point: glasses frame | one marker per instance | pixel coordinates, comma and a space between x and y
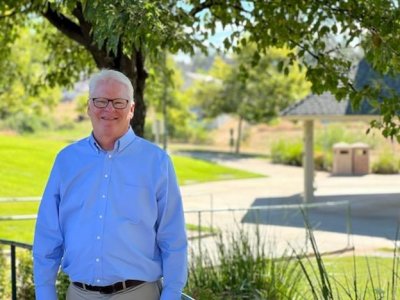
108, 101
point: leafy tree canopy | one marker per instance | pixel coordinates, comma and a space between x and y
122, 34
23, 89
255, 93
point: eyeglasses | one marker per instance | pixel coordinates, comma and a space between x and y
117, 103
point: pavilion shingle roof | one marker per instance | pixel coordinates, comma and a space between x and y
326, 104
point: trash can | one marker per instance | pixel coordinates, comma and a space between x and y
342, 159
360, 158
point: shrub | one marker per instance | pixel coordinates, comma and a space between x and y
323, 160
25, 123
287, 152
25, 286
4, 286
387, 163
62, 285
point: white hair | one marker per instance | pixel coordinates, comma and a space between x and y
106, 74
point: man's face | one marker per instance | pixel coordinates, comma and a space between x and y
110, 122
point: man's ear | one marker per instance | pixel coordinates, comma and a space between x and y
132, 111
88, 108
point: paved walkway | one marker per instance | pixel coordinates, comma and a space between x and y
375, 207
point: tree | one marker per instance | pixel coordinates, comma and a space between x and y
253, 93
23, 96
123, 34
169, 101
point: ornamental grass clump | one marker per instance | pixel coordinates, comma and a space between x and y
241, 269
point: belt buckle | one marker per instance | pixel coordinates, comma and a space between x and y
107, 289
114, 288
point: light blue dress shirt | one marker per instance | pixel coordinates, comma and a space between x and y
109, 216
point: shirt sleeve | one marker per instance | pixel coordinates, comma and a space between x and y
48, 241
171, 235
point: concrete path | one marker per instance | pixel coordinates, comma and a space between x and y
374, 202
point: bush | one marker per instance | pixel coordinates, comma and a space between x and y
387, 163
25, 286
24, 123
4, 282
287, 152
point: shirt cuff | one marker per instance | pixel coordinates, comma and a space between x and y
47, 292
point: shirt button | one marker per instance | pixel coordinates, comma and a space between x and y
103, 196
98, 280
109, 156
105, 175
98, 237
100, 216
97, 259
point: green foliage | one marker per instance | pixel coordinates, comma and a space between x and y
257, 93
81, 106
25, 123
62, 285
287, 152
242, 270
4, 267
25, 94
386, 163
25, 286
165, 82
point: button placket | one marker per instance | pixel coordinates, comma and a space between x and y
102, 208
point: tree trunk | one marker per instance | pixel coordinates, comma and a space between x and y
239, 135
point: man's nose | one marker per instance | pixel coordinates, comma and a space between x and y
109, 106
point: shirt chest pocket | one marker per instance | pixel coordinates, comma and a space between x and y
133, 203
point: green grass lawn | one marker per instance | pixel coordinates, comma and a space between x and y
350, 275
25, 164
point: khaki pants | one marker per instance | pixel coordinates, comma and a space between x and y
145, 291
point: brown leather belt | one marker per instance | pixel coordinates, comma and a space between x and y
109, 289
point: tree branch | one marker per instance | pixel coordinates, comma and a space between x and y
209, 3
85, 27
206, 4
65, 25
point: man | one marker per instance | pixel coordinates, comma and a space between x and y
111, 214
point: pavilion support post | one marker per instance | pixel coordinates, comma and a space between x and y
308, 161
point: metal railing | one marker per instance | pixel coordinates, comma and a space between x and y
305, 207
13, 263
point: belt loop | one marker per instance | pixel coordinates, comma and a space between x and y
124, 284
84, 286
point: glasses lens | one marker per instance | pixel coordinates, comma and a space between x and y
120, 103
100, 102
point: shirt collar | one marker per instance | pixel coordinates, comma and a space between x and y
119, 145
